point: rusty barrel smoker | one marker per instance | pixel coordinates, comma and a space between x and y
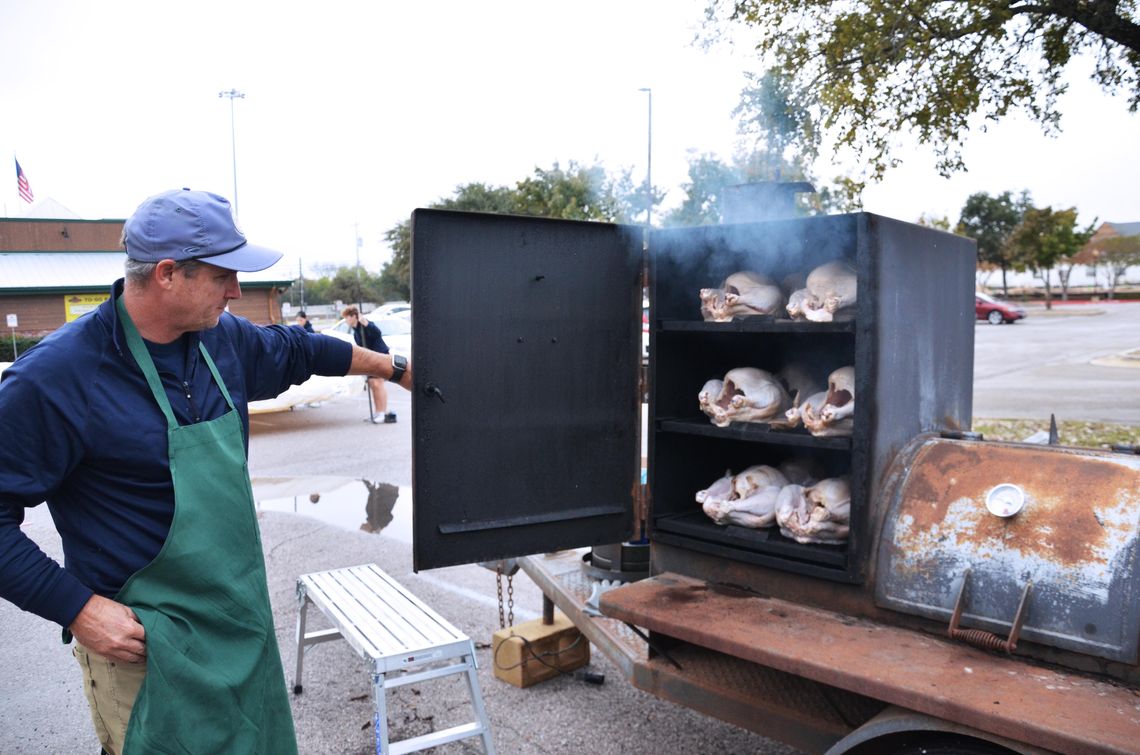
1006, 540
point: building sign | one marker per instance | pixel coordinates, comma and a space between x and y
75, 305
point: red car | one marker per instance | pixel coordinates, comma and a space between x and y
988, 308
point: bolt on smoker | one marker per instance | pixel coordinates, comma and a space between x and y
986, 594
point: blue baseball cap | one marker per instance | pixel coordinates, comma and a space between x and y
192, 225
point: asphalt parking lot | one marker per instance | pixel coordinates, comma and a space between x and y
1071, 361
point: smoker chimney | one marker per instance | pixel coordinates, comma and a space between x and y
763, 200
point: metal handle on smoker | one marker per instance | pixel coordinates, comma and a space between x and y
431, 389
980, 637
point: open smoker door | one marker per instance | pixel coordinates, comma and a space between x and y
526, 336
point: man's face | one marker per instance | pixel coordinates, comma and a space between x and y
352, 320
201, 295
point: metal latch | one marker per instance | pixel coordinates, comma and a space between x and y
980, 637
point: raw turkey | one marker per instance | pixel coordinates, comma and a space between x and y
830, 290
742, 294
756, 511
716, 494
798, 301
802, 470
820, 513
747, 394
798, 379
799, 382
746, 500
836, 415
795, 415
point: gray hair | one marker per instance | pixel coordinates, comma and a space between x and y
139, 273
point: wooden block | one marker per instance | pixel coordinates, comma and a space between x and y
516, 651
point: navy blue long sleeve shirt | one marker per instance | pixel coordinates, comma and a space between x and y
81, 431
370, 337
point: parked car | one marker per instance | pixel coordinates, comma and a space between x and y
397, 332
996, 311
391, 309
396, 329
313, 391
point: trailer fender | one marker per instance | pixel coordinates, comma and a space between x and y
898, 730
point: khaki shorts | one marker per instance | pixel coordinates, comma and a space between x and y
111, 688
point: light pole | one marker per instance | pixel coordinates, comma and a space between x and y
359, 295
233, 94
649, 160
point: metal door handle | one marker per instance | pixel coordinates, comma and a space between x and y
431, 389
980, 637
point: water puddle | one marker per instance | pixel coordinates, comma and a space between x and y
346, 502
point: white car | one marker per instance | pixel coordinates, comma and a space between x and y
391, 309
396, 330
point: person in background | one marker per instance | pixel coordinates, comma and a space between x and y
134, 406
367, 335
302, 322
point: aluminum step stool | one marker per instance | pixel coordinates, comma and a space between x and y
396, 632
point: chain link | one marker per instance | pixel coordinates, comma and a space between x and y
510, 600
499, 588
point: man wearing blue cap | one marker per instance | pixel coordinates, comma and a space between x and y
133, 426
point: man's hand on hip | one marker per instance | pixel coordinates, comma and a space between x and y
111, 630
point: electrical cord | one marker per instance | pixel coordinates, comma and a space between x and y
590, 677
540, 657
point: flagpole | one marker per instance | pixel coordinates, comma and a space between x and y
232, 94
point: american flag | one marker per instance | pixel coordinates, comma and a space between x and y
23, 185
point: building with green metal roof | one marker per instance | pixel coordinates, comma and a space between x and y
53, 270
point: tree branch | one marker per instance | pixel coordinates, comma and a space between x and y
1098, 16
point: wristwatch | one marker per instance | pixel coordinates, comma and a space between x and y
399, 367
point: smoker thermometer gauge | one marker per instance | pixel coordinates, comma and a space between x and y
1005, 500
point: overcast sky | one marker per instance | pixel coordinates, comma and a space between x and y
357, 112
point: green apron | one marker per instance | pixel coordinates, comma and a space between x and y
214, 681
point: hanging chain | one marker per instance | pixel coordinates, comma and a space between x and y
499, 588
510, 600
507, 619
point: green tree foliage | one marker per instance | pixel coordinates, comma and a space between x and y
990, 221
844, 195
866, 70
708, 177
479, 197
1116, 254
340, 284
1045, 238
354, 285
316, 290
577, 192
772, 128
396, 275
10, 347
773, 123
933, 221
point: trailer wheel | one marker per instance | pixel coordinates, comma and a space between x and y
942, 744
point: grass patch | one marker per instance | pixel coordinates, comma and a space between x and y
1069, 432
